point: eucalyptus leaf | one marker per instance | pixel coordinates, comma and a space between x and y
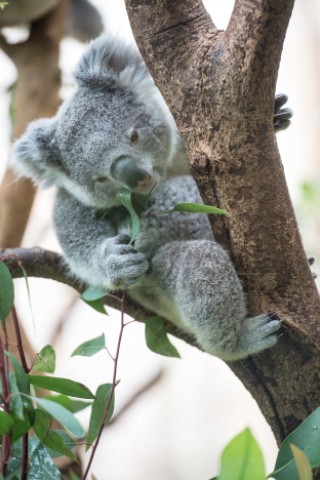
25, 276
98, 411
6, 291
15, 404
198, 208
21, 376
92, 293
6, 422
94, 298
157, 338
20, 428
307, 438
41, 465
50, 438
42, 423
45, 360
242, 459
62, 415
302, 462
90, 347
73, 476
70, 404
61, 385
124, 196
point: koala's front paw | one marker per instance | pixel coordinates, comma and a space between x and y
123, 265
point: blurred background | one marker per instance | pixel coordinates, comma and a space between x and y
172, 416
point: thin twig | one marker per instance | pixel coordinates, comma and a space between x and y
114, 384
6, 439
19, 340
24, 461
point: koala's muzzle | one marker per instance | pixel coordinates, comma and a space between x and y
128, 172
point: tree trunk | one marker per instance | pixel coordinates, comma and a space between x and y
36, 94
220, 87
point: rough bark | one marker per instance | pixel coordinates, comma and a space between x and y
36, 94
220, 87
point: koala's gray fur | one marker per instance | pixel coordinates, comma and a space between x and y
116, 131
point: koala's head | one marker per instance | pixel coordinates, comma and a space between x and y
114, 132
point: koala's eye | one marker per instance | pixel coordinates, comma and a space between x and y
134, 136
101, 179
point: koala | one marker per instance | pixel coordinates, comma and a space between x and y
116, 131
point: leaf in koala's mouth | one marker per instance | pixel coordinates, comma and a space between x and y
125, 198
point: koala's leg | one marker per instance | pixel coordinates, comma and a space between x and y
197, 286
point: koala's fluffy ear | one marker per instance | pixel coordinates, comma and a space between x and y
36, 154
108, 62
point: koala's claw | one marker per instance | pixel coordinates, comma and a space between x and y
282, 116
260, 332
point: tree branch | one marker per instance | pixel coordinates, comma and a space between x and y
46, 264
220, 87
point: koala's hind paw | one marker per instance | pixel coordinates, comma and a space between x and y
259, 333
123, 265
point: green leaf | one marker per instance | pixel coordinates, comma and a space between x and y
51, 439
90, 347
45, 360
302, 462
6, 422
73, 476
98, 306
3, 4
62, 415
73, 406
22, 384
198, 208
42, 423
69, 443
41, 465
6, 291
20, 428
21, 376
98, 411
93, 297
242, 459
15, 404
157, 338
25, 276
124, 197
92, 293
61, 385
306, 437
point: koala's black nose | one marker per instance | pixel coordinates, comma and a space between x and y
126, 171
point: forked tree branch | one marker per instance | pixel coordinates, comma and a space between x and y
220, 87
